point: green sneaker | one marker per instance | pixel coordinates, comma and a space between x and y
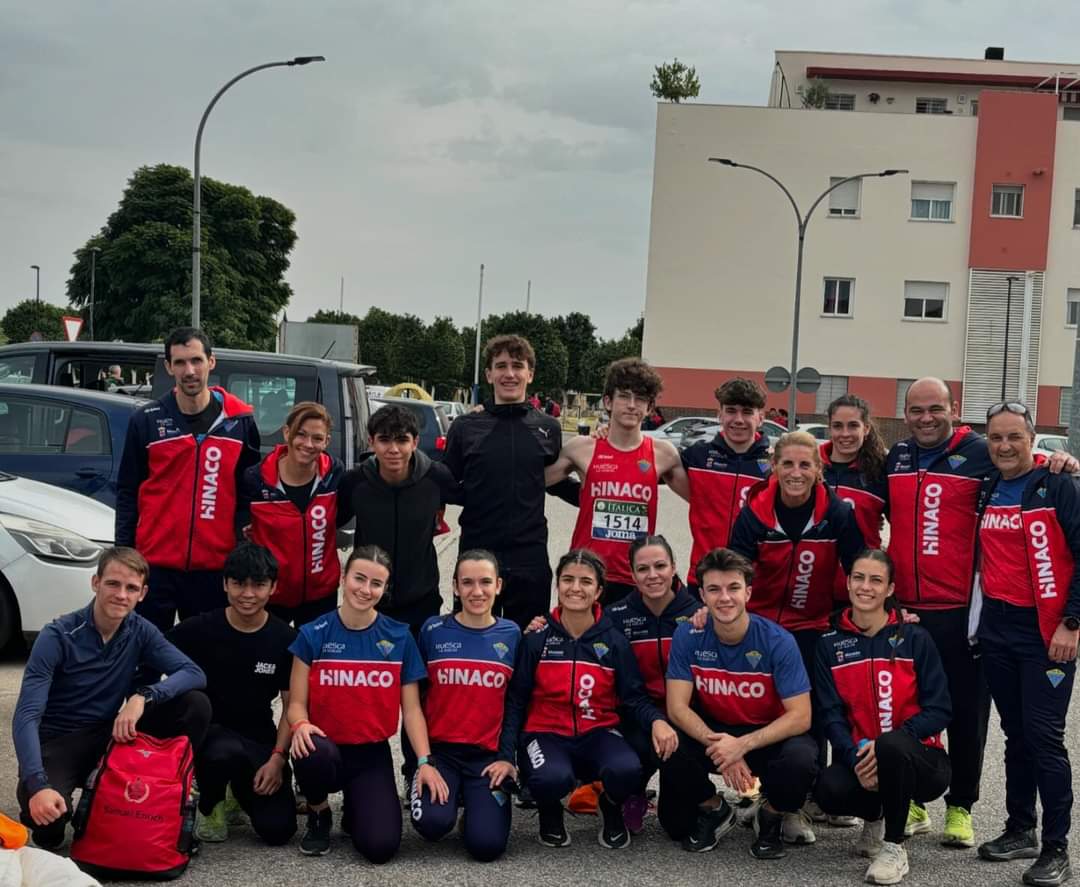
213, 827
234, 813
959, 831
918, 820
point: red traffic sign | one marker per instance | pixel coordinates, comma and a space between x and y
72, 327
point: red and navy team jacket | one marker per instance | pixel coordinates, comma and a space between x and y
866, 686
932, 520
1050, 517
793, 580
570, 687
866, 497
650, 635
720, 479
176, 496
469, 672
305, 545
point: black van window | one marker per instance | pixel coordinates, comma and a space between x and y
271, 397
17, 369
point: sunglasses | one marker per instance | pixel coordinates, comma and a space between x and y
1008, 406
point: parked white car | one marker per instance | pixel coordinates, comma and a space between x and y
1048, 444
814, 429
45, 562
674, 429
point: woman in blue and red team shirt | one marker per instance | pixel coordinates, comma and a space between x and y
1029, 542
290, 499
353, 671
470, 659
883, 700
853, 467
565, 697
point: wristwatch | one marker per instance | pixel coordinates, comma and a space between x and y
147, 694
1071, 623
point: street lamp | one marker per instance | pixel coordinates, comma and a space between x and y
479, 320
196, 227
1005, 356
801, 221
94, 250
37, 285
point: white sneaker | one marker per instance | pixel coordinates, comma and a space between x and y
797, 828
871, 839
813, 811
843, 821
889, 866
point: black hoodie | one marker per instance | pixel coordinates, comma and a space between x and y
401, 519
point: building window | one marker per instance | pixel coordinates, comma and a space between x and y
1008, 201
1076, 208
930, 106
1070, 114
838, 297
932, 201
902, 386
844, 201
974, 107
831, 388
1072, 307
1065, 407
925, 300
840, 101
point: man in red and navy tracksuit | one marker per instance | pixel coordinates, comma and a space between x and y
934, 479
183, 461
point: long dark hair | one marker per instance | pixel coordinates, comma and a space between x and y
891, 605
645, 542
583, 556
871, 455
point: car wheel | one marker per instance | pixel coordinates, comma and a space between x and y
9, 618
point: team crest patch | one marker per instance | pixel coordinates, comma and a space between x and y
957, 461
1055, 676
136, 791
679, 619
895, 641
644, 465
1042, 492
385, 647
753, 657
500, 649
763, 465
601, 649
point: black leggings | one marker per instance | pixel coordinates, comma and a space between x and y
228, 758
551, 765
365, 774
907, 771
487, 812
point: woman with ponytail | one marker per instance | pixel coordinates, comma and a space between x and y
883, 701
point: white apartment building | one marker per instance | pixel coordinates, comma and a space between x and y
903, 276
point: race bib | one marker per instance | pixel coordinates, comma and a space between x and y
619, 521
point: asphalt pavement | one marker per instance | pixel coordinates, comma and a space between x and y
651, 858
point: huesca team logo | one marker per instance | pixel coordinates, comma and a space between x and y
136, 791
763, 465
385, 647
753, 657
644, 465
500, 649
957, 461
601, 649
895, 641
1055, 676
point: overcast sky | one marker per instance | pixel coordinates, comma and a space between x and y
436, 136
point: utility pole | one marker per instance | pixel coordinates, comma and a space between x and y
528, 295
479, 315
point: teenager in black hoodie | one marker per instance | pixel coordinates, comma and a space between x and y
397, 496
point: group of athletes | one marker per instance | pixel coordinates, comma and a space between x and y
793, 635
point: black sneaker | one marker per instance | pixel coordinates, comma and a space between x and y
768, 837
47, 838
1011, 844
613, 831
525, 799
316, 840
552, 829
710, 827
1050, 869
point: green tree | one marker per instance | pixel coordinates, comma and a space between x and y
629, 345
377, 331
443, 342
578, 334
815, 94
325, 315
143, 286
674, 82
409, 357
29, 317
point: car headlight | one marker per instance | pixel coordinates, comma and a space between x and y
49, 542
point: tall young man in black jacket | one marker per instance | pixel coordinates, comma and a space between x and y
499, 455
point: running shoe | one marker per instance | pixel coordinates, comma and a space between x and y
552, 828
1015, 844
843, 821
918, 820
889, 866
614, 834
584, 799
634, 811
234, 813
212, 827
710, 827
1050, 869
959, 831
316, 840
797, 828
814, 812
525, 799
873, 834
768, 837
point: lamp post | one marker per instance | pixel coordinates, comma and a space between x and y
1008, 311
196, 216
94, 250
801, 221
479, 315
37, 283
